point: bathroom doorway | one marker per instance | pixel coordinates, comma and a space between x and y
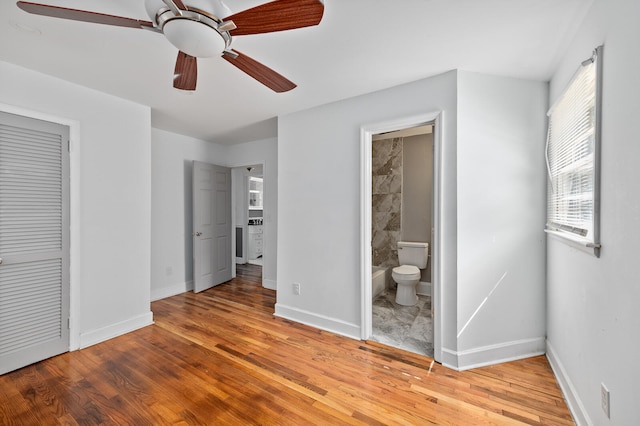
399, 197
402, 198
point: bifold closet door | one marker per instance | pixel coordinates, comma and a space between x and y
34, 240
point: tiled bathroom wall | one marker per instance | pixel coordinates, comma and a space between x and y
386, 200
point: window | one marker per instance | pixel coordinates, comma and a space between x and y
573, 151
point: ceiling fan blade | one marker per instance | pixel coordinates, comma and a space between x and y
278, 15
186, 72
260, 72
81, 15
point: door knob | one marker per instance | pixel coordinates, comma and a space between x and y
197, 234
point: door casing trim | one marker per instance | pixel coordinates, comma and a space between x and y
366, 134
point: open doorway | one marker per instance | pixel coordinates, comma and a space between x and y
400, 178
248, 207
402, 200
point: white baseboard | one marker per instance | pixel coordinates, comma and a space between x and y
318, 321
493, 354
270, 284
172, 290
449, 359
424, 288
114, 330
576, 407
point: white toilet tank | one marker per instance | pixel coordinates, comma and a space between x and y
416, 254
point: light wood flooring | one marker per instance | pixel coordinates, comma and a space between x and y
221, 357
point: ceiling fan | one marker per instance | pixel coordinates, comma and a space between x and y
204, 28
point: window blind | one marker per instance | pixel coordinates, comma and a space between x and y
572, 151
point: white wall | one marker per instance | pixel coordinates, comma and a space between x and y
417, 185
501, 217
172, 158
172, 219
592, 319
319, 202
417, 195
492, 216
110, 198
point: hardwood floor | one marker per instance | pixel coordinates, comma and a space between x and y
221, 357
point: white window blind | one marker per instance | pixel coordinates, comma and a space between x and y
573, 157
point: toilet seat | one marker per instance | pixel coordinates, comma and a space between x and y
407, 272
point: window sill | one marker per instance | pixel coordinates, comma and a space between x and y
575, 241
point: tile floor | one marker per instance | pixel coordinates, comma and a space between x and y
405, 327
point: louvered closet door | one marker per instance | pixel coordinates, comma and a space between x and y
34, 241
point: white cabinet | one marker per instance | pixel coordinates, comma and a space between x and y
255, 241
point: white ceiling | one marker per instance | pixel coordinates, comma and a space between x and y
359, 47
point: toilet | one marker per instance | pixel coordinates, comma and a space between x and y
413, 257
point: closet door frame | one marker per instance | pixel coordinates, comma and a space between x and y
75, 249
35, 265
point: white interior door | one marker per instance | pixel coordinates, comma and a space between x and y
34, 240
211, 225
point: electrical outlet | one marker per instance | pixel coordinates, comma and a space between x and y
169, 271
296, 288
605, 400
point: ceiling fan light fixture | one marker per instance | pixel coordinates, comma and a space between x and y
194, 38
